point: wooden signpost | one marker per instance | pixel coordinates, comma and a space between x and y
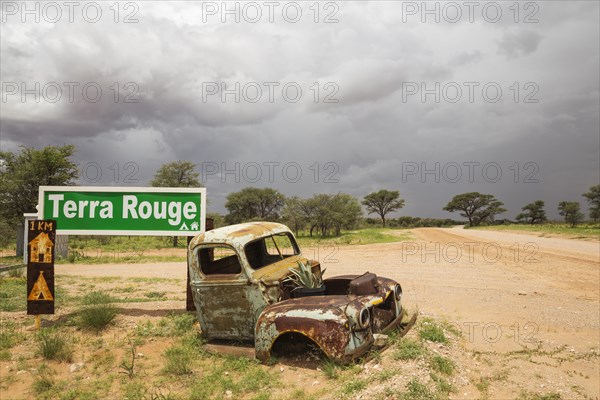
41, 238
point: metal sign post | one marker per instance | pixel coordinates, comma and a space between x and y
41, 239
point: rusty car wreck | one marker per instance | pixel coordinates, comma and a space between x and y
239, 277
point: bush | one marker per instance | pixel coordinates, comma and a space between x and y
11, 294
17, 273
98, 312
98, 317
354, 386
330, 369
155, 295
415, 390
44, 381
433, 332
94, 298
54, 346
183, 323
442, 365
409, 350
9, 335
179, 359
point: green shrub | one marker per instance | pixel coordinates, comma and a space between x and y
98, 317
9, 336
442, 365
430, 330
354, 386
535, 396
5, 355
155, 295
44, 380
12, 294
183, 322
95, 298
409, 350
330, 369
415, 390
241, 375
54, 346
98, 311
17, 273
178, 359
443, 386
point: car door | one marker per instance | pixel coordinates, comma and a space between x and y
223, 294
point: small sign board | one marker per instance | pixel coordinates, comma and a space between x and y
41, 238
150, 211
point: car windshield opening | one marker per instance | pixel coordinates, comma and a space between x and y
270, 249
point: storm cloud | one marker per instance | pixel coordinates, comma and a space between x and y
344, 97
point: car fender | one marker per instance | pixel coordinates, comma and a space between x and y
322, 319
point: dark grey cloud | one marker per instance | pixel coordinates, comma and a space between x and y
467, 57
364, 140
520, 43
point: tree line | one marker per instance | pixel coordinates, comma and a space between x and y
483, 208
21, 174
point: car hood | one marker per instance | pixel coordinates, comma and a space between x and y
275, 272
334, 306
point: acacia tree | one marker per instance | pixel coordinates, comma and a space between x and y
329, 214
533, 213
345, 212
571, 211
593, 199
476, 207
176, 174
383, 202
21, 175
312, 210
324, 214
321, 213
293, 215
254, 204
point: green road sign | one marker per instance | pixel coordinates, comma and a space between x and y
87, 210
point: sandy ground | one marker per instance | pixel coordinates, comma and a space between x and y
504, 291
470, 277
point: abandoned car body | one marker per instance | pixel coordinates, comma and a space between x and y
239, 277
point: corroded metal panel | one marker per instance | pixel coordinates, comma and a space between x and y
189, 299
240, 234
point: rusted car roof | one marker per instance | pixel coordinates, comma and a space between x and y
240, 234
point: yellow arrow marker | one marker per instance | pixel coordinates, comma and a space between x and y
40, 289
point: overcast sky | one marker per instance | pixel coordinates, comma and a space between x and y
354, 96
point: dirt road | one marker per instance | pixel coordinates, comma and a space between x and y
487, 277
507, 293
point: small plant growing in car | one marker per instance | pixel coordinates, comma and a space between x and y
304, 277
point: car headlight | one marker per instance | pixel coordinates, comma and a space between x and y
398, 292
364, 318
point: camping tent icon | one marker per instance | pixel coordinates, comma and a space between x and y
40, 290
